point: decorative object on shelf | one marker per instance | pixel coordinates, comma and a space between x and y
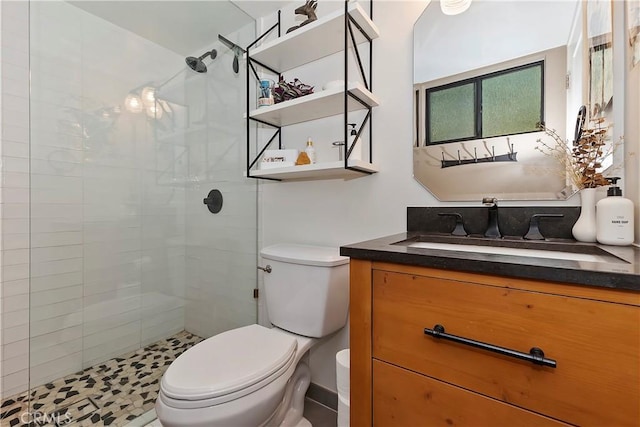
584, 230
309, 9
303, 159
311, 152
278, 159
265, 97
284, 91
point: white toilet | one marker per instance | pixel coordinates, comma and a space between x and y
256, 376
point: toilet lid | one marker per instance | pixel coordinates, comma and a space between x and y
228, 362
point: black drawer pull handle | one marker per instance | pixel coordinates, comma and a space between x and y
535, 355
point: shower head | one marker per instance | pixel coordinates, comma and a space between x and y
197, 64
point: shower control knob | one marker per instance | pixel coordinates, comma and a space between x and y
213, 201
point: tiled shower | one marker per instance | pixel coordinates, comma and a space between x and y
109, 145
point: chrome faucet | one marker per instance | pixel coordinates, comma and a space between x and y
493, 227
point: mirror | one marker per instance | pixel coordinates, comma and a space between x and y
477, 45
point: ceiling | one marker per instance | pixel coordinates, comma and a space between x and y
184, 26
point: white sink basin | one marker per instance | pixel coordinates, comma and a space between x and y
535, 253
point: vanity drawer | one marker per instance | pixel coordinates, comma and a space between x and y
404, 398
595, 344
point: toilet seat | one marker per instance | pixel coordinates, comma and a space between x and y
229, 365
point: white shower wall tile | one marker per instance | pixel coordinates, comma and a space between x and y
16, 287
15, 302
17, 333
15, 383
105, 324
41, 343
17, 349
15, 241
43, 240
14, 179
15, 164
15, 318
55, 368
43, 298
15, 272
57, 351
40, 255
11, 365
112, 337
51, 311
14, 256
51, 268
42, 327
57, 281
15, 149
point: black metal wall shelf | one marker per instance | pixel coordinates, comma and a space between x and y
328, 35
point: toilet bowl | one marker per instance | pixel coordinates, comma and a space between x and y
258, 376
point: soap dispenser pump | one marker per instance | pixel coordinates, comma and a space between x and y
356, 153
614, 217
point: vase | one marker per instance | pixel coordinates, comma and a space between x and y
584, 230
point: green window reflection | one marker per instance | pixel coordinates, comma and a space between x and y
511, 102
451, 113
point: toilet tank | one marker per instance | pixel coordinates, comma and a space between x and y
307, 291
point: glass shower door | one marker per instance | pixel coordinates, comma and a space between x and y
128, 268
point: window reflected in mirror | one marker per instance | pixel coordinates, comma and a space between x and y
502, 103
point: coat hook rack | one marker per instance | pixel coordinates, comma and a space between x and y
510, 156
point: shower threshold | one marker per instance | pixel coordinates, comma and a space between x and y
112, 393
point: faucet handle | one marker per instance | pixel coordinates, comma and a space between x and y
534, 230
459, 230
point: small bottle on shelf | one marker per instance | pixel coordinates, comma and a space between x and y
311, 152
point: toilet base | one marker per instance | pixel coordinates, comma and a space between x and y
303, 423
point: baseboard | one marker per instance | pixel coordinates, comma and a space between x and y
323, 396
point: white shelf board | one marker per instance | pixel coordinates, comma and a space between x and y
321, 104
329, 170
314, 41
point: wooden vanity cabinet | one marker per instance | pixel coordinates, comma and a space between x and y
401, 376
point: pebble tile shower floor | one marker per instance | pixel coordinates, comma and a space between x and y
112, 393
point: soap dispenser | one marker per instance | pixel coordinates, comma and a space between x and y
614, 217
356, 153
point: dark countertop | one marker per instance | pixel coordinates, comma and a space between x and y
623, 273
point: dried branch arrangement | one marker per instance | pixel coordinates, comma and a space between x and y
583, 159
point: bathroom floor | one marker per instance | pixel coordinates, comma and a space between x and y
109, 394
